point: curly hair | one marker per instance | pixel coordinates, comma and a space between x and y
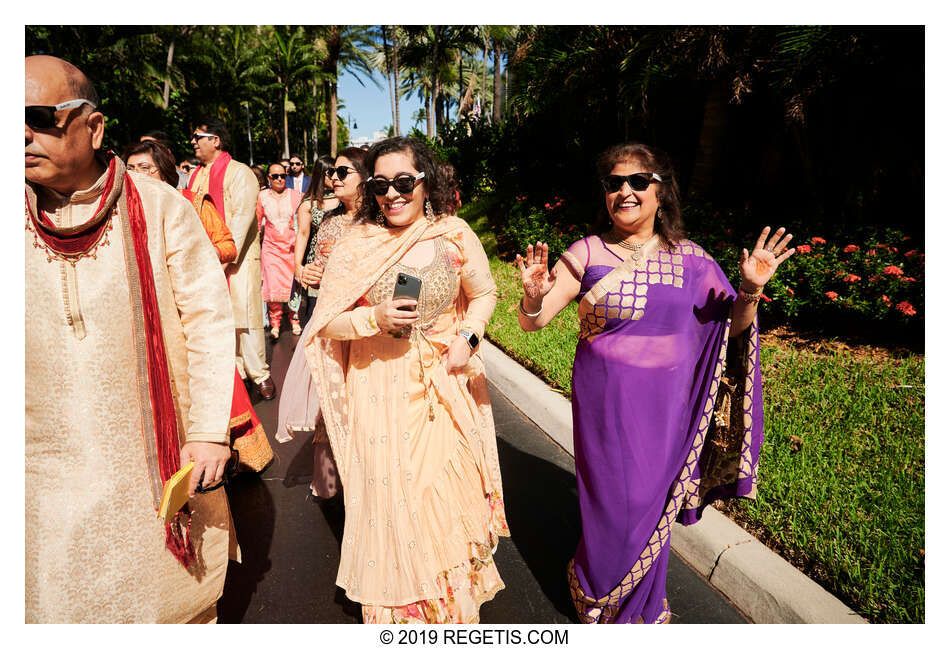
451, 186
160, 155
670, 227
434, 183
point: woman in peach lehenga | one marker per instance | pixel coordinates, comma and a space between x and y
406, 407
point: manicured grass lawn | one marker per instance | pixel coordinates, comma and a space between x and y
848, 507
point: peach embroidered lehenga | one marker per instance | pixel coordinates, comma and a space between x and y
414, 445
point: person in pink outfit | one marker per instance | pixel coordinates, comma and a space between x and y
276, 208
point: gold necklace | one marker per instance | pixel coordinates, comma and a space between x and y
635, 248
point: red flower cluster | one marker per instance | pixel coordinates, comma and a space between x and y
803, 249
851, 278
893, 271
556, 204
886, 300
906, 308
831, 295
908, 279
818, 241
848, 249
910, 254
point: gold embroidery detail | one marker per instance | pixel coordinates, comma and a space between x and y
439, 285
72, 258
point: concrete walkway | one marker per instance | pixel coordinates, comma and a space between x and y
291, 543
765, 587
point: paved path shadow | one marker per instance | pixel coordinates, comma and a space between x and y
291, 542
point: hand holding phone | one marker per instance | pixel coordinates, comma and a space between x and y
399, 311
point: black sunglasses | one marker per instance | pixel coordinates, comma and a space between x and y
277, 176
45, 116
341, 172
403, 183
296, 164
638, 182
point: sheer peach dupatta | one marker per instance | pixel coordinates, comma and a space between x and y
357, 262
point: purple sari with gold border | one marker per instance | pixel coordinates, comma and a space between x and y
664, 422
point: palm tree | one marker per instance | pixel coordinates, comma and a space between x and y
348, 48
432, 52
499, 36
292, 48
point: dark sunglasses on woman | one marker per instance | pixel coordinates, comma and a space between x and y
404, 183
341, 172
45, 116
638, 182
277, 176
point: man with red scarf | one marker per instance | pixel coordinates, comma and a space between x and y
129, 375
233, 189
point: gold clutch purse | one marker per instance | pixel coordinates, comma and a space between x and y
175, 494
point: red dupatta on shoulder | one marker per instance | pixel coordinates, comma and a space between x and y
73, 243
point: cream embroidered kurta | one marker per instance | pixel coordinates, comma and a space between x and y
421, 508
244, 275
95, 549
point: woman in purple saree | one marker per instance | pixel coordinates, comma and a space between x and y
664, 423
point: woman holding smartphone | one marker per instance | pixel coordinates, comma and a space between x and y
299, 406
406, 405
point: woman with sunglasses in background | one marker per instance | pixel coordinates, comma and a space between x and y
276, 216
314, 205
299, 402
661, 428
405, 401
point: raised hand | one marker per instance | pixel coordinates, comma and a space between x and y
536, 280
757, 269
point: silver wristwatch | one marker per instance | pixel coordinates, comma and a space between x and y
470, 337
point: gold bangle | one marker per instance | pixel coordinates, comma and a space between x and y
525, 313
750, 298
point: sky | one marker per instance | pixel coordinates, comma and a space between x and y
368, 106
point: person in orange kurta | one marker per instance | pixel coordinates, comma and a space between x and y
247, 433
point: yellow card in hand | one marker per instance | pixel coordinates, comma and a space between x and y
175, 494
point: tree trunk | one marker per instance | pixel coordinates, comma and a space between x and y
284, 111
389, 78
316, 120
168, 71
712, 139
396, 82
496, 98
428, 114
484, 92
436, 106
465, 102
458, 113
331, 117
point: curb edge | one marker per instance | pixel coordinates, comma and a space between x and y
761, 584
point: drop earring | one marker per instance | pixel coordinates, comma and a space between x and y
380, 219
430, 213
